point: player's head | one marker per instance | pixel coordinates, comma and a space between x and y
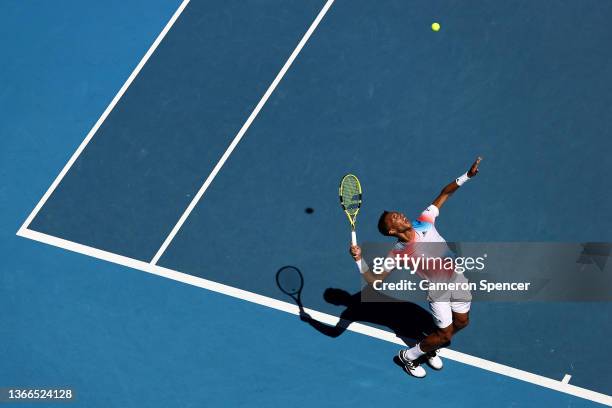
392, 223
339, 297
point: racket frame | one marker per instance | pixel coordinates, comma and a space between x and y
352, 219
296, 296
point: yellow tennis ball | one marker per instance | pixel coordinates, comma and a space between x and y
435, 27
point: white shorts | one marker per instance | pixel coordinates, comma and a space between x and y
443, 311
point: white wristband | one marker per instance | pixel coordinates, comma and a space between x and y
362, 265
462, 179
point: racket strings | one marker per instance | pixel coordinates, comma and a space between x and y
350, 193
290, 281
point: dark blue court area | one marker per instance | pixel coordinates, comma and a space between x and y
374, 92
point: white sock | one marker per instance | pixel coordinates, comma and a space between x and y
414, 353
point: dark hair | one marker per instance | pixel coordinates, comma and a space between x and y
382, 225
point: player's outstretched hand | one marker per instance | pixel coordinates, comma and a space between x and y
355, 251
474, 169
305, 317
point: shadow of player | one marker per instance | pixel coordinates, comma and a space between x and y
409, 321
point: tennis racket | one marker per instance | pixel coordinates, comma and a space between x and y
290, 281
350, 200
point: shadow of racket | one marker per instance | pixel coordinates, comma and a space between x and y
290, 281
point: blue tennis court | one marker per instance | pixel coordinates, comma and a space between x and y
239, 117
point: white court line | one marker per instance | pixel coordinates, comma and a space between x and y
241, 132
566, 379
105, 114
556, 385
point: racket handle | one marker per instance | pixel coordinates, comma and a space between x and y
353, 237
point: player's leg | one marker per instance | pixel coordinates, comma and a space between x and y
435, 340
442, 314
460, 319
461, 315
443, 317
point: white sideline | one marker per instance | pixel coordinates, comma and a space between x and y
561, 386
241, 132
105, 114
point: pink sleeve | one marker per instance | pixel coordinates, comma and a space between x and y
429, 215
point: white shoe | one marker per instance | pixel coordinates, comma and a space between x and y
411, 367
434, 360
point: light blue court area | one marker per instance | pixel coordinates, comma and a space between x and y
125, 338
372, 91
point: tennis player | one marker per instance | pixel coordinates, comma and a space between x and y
450, 316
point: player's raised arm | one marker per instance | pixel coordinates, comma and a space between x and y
453, 186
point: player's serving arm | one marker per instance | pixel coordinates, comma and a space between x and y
449, 316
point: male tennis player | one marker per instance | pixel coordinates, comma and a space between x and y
449, 316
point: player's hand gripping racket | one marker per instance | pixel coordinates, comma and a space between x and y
350, 200
290, 281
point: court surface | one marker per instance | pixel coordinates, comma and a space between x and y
240, 115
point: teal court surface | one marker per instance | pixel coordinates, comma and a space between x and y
211, 126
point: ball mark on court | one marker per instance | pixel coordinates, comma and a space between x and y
309, 210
